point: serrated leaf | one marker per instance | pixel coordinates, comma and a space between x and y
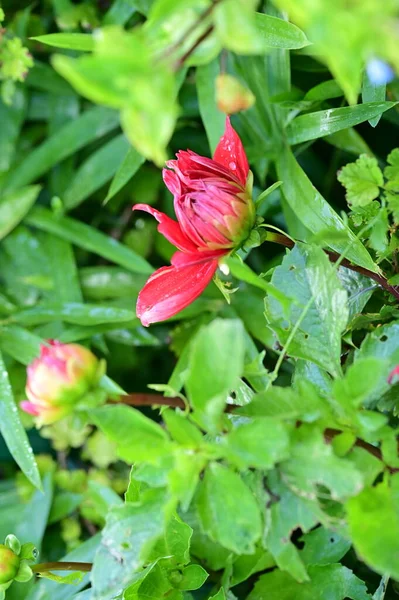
307, 277
362, 180
392, 171
231, 519
373, 519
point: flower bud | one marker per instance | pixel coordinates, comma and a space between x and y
232, 96
59, 379
9, 564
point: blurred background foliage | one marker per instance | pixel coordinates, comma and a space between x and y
96, 95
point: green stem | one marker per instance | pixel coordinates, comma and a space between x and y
62, 566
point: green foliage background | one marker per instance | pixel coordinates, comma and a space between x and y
293, 492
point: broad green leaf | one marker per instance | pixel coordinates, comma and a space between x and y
318, 307
96, 171
212, 117
314, 463
373, 93
120, 12
324, 122
87, 237
63, 269
361, 382
129, 166
193, 577
285, 516
219, 596
349, 140
315, 213
99, 283
14, 206
391, 172
150, 583
323, 546
63, 505
11, 119
127, 539
248, 564
373, 518
334, 582
324, 91
13, 432
39, 505
259, 444
362, 180
216, 364
91, 125
278, 33
138, 438
74, 312
232, 519
69, 41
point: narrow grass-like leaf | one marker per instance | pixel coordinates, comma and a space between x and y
212, 117
13, 432
87, 237
130, 165
91, 125
69, 41
14, 206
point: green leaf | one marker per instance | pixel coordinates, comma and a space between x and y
231, 519
127, 539
349, 140
216, 364
39, 505
96, 171
91, 125
259, 444
74, 312
14, 206
193, 577
71, 579
88, 238
324, 91
64, 504
315, 213
278, 33
21, 344
307, 276
373, 519
391, 172
129, 166
11, 119
63, 269
314, 463
323, 546
373, 93
362, 381
219, 596
212, 117
13, 432
138, 438
69, 41
334, 582
324, 122
362, 180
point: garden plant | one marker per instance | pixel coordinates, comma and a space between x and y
199, 300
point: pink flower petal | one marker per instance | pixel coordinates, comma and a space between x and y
393, 374
171, 289
184, 259
169, 228
231, 154
29, 408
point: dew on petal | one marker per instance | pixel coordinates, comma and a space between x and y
232, 165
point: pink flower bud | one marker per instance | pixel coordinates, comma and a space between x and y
9, 564
58, 379
215, 215
231, 95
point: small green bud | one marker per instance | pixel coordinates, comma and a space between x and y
24, 573
9, 564
13, 543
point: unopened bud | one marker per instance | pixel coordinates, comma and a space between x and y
9, 564
231, 95
59, 379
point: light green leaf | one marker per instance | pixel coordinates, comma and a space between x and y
74, 312
311, 209
324, 122
278, 33
373, 93
373, 518
13, 432
323, 546
21, 344
216, 364
362, 180
14, 206
138, 438
231, 519
314, 463
259, 444
391, 172
11, 119
69, 41
307, 276
87, 237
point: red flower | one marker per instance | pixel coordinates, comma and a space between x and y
58, 379
215, 214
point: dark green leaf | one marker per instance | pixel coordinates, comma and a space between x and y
70, 41
14, 206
